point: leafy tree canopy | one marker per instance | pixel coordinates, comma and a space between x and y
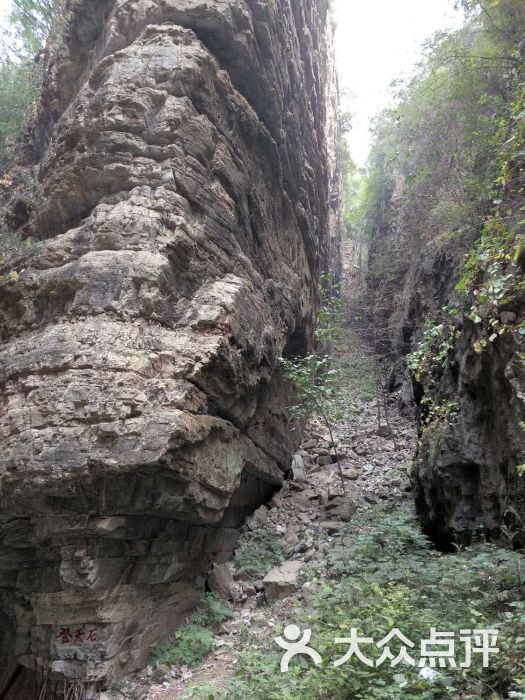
30, 24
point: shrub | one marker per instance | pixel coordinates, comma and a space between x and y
211, 611
191, 643
189, 646
259, 551
394, 578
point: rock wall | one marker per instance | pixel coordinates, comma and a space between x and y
411, 271
468, 483
468, 393
446, 297
469, 399
188, 200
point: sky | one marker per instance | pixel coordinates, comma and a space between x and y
378, 41
5, 6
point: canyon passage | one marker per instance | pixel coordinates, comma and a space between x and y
244, 383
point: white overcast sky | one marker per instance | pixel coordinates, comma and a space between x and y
377, 41
4, 8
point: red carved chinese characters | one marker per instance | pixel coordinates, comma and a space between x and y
79, 636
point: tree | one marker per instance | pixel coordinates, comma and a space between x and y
317, 384
31, 23
429, 180
29, 26
18, 87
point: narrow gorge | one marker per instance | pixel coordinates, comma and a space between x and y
244, 382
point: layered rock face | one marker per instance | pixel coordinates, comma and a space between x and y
467, 472
466, 484
186, 154
470, 404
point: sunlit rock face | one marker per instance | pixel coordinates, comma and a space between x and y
186, 152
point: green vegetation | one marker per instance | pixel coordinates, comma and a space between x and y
331, 315
32, 21
211, 611
492, 276
357, 373
492, 273
435, 168
383, 574
18, 88
29, 26
318, 386
189, 646
191, 643
258, 551
442, 201
442, 137
437, 342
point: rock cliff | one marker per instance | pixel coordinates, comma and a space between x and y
468, 469
188, 201
449, 316
466, 382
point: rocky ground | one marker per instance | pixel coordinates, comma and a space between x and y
307, 514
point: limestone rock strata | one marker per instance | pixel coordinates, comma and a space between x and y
189, 196
466, 484
467, 469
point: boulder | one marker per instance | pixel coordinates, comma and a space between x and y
221, 582
341, 508
351, 474
298, 469
257, 519
282, 581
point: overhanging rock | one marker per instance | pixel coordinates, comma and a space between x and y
186, 154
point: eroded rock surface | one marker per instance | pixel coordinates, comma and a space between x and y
468, 481
186, 154
466, 484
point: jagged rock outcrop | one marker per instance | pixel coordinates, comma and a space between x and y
466, 484
189, 202
468, 480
